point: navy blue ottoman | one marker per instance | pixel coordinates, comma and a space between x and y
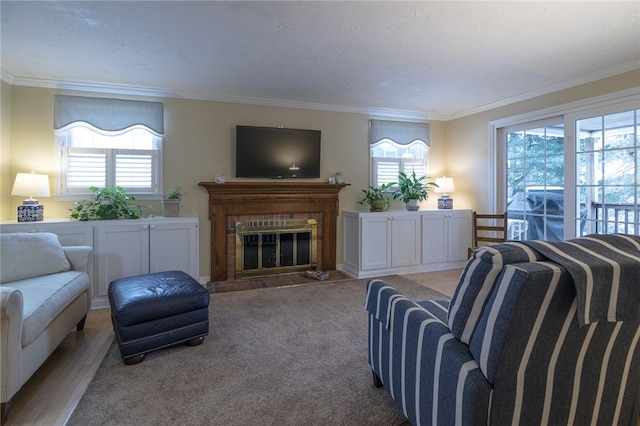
156, 310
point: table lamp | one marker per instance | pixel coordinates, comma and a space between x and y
31, 184
445, 186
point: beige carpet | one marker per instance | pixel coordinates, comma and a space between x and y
276, 356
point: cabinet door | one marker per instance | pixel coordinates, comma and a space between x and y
174, 246
434, 237
376, 242
459, 235
122, 250
405, 240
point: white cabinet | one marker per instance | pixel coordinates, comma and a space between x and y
174, 246
401, 242
375, 237
390, 240
134, 247
121, 250
126, 247
446, 236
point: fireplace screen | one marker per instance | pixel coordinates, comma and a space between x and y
268, 247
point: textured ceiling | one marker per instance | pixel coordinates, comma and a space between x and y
423, 59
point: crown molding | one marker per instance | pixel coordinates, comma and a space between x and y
283, 103
608, 72
163, 93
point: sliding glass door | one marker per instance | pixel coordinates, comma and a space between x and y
571, 175
535, 170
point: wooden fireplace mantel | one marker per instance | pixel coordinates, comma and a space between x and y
248, 198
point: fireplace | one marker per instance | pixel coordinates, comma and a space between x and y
269, 247
233, 202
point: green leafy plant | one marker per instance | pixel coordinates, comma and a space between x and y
378, 199
175, 193
412, 188
106, 204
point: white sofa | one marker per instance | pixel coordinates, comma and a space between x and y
44, 293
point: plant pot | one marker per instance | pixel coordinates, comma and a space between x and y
380, 205
171, 208
412, 205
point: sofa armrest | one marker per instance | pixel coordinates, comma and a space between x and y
80, 257
432, 375
11, 310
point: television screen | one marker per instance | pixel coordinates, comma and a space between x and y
277, 153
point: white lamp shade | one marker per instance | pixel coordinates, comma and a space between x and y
445, 185
31, 184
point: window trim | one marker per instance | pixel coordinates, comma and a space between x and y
60, 175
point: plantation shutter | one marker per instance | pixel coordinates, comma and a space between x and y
85, 169
386, 169
133, 169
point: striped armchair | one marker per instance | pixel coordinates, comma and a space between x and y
521, 342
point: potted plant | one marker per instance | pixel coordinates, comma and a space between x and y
106, 204
378, 199
412, 189
171, 202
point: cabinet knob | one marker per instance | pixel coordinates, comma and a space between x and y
153, 227
145, 226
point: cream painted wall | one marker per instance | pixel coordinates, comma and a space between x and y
199, 142
6, 182
467, 138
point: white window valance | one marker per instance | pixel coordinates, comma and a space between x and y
400, 132
108, 114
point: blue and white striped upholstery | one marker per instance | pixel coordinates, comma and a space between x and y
477, 281
606, 272
528, 360
427, 370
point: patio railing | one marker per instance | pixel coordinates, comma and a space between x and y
616, 217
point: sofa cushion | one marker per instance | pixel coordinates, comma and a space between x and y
27, 255
477, 282
45, 297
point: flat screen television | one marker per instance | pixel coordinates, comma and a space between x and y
277, 153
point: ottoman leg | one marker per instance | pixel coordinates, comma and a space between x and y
134, 359
195, 342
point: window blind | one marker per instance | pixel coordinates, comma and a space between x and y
108, 114
400, 132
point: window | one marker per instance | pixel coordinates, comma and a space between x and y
397, 147
107, 142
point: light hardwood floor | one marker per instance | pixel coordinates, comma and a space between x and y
53, 392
